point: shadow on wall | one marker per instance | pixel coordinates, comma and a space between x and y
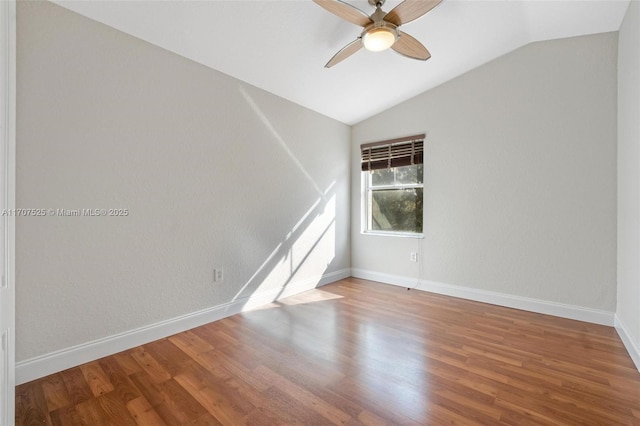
304, 253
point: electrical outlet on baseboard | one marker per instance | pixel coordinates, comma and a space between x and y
413, 256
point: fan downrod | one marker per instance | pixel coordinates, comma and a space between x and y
376, 3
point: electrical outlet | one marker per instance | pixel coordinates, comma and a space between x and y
413, 256
217, 275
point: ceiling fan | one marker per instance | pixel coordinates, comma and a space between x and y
381, 29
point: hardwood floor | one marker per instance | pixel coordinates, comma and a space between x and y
355, 352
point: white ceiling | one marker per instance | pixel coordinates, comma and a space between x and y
282, 45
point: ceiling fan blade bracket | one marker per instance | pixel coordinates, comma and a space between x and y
378, 15
382, 24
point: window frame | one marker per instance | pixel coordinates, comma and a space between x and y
367, 190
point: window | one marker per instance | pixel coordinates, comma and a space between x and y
393, 181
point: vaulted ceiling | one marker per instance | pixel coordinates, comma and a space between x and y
282, 45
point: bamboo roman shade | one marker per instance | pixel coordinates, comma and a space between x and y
392, 153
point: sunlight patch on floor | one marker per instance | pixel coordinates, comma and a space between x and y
311, 296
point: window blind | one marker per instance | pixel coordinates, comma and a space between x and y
392, 153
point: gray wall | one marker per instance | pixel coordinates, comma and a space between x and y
520, 177
629, 174
213, 172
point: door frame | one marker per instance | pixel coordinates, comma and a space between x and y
7, 206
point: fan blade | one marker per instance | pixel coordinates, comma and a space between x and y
346, 11
345, 52
409, 10
410, 47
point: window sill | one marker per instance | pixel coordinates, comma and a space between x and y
393, 234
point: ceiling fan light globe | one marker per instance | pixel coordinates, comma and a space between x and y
378, 39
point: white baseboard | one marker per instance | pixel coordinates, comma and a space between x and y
507, 300
631, 346
53, 362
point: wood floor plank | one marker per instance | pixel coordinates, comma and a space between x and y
170, 400
143, 413
96, 378
231, 364
127, 363
149, 364
65, 416
92, 412
148, 388
212, 399
115, 409
190, 343
368, 418
377, 396
55, 392
354, 352
79, 390
31, 405
118, 378
168, 355
304, 396
205, 420
262, 416
443, 415
291, 411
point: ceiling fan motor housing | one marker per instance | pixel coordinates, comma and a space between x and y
379, 36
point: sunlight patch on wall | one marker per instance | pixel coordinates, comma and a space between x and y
299, 261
